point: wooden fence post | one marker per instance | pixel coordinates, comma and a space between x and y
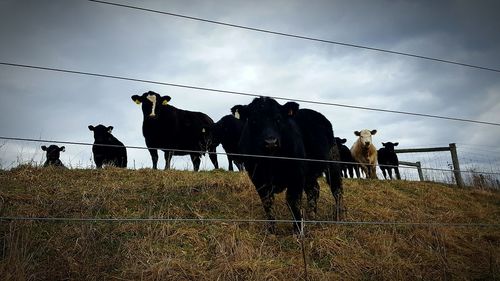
416, 164
456, 165
419, 169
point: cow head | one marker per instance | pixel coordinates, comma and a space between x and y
365, 136
151, 103
101, 133
53, 152
390, 145
340, 141
266, 121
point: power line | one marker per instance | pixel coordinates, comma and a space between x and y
214, 220
239, 155
298, 36
243, 93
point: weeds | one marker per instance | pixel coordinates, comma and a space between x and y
236, 251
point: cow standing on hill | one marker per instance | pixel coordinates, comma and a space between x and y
273, 130
53, 153
227, 131
365, 153
388, 160
166, 127
107, 149
348, 164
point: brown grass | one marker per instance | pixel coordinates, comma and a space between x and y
33, 250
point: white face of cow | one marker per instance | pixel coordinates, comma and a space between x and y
152, 98
365, 137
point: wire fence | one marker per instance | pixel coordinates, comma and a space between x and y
438, 160
482, 169
238, 220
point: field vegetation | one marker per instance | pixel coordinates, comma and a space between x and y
228, 250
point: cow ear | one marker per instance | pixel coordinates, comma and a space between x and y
357, 133
137, 99
62, 148
110, 129
239, 112
291, 108
373, 132
165, 100
383, 143
343, 141
91, 127
396, 143
44, 148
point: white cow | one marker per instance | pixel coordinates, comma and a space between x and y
365, 153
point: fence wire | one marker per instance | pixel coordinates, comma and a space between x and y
222, 220
237, 154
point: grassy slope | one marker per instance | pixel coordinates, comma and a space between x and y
236, 251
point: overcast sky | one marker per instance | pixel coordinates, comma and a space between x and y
92, 37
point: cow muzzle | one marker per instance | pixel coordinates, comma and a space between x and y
271, 143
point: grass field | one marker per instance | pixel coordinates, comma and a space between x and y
225, 250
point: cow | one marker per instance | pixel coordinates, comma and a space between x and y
107, 149
53, 153
227, 131
347, 165
388, 160
174, 131
272, 130
365, 153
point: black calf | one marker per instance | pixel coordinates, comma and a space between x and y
107, 149
53, 153
388, 160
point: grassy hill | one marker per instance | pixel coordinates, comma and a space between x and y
224, 250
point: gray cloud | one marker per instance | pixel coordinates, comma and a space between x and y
98, 38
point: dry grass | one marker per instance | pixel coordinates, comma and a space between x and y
236, 251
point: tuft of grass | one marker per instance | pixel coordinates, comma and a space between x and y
37, 250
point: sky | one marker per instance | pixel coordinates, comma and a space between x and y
93, 37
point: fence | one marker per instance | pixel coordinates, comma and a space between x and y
452, 148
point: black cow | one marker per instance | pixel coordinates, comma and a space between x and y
53, 153
227, 131
107, 149
166, 127
348, 165
388, 160
271, 129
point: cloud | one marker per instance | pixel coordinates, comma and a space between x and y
104, 39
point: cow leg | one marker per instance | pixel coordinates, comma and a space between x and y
356, 169
230, 161
267, 198
98, 163
365, 170
213, 157
389, 171
195, 158
373, 171
154, 157
350, 170
312, 194
293, 200
335, 182
168, 158
383, 172
240, 166
396, 171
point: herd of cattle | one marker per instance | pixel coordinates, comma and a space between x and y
264, 138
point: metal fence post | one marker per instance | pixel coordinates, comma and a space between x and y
456, 165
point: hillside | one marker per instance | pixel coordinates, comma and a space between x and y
224, 250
